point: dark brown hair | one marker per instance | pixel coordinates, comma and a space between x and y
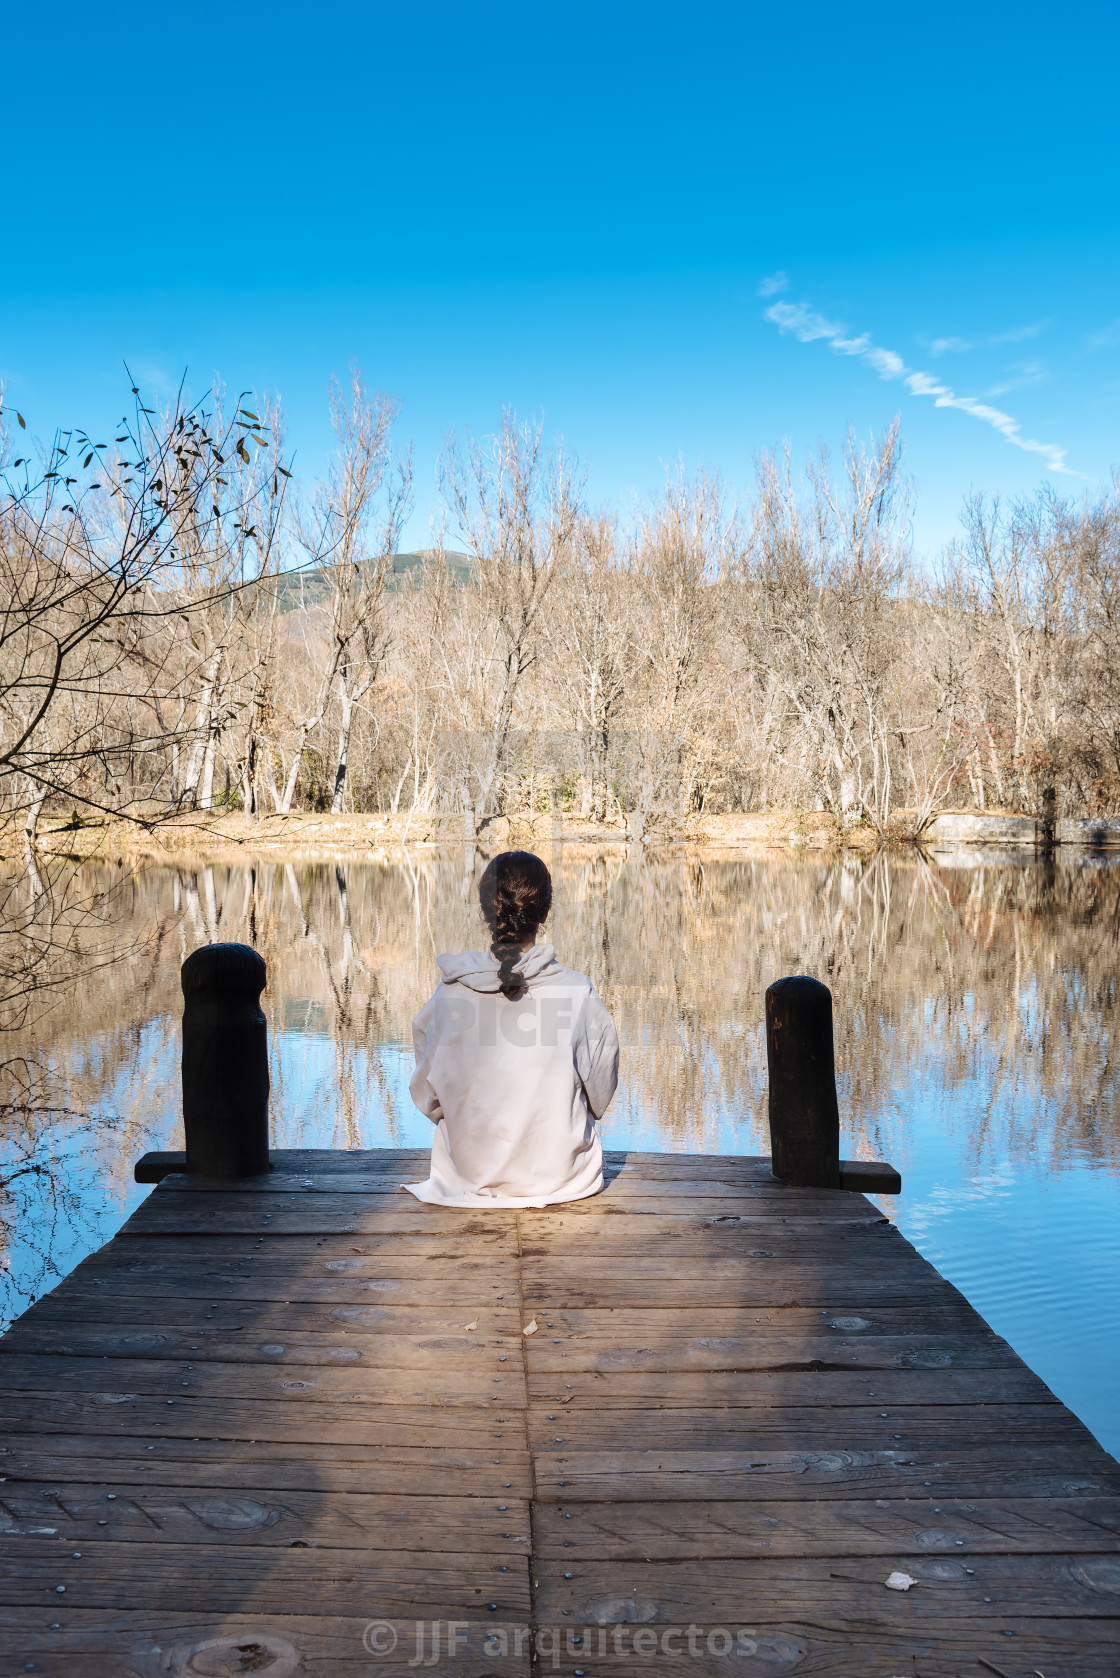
515, 892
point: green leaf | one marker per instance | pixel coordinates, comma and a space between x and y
285, 471
87, 460
22, 421
249, 415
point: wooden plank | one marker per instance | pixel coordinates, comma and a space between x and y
491, 1471
205, 1317
311, 1582
215, 1286
126, 1510
622, 1184
146, 1416
655, 1265
1033, 1427
703, 1239
990, 1469
497, 1245
343, 1348
321, 1214
350, 1258
97, 1643
552, 1356
821, 1287
458, 1381
685, 1529
952, 1314
338, 1213
1020, 1589
1015, 1384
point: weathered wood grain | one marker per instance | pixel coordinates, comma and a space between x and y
113, 1410
627, 1389
404, 1584
458, 1379
992, 1469
1032, 1427
125, 1511
1021, 1588
686, 1529
122, 1643
494, 1471
740, 1408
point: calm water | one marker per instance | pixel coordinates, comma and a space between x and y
976, 1012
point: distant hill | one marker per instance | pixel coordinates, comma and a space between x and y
299, 589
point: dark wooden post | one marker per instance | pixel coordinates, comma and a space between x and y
804, 1117
225, 1062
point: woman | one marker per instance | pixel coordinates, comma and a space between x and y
516, 1059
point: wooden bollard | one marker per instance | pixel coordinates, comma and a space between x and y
804, 1113
225, 1062
225, 1069
804, 1116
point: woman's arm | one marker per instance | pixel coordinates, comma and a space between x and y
595, 1042
419, 1088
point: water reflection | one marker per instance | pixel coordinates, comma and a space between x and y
975, 1015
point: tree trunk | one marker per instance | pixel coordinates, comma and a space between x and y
30, 830
203, 745
205, 800
344, 728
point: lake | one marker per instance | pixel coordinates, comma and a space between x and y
976, 1045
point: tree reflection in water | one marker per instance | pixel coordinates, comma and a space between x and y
975, 1012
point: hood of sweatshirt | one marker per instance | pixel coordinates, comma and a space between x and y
478, 969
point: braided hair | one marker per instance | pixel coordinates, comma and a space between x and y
515, 894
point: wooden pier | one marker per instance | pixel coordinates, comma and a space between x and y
277, 1422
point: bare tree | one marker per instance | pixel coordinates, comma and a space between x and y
350, 532
830, 569
516, 509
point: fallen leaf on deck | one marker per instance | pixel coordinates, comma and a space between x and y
470, 1325
899, 1582
530, 1327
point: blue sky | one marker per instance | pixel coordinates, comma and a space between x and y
677, 232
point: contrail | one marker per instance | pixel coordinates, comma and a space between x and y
807, 325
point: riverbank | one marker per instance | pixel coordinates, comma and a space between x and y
309, 833
306, 833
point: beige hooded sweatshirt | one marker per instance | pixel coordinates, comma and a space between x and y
514, 1085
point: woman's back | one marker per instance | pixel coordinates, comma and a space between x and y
516, 1060
515, 1084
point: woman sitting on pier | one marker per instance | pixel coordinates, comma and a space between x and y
516, 1059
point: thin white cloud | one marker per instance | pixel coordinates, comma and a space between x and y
773, 283
1020, 334
1023, 374
1109, 339
949, 346
809, 326
803, 321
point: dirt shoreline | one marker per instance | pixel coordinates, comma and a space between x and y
358, 837
306, 834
